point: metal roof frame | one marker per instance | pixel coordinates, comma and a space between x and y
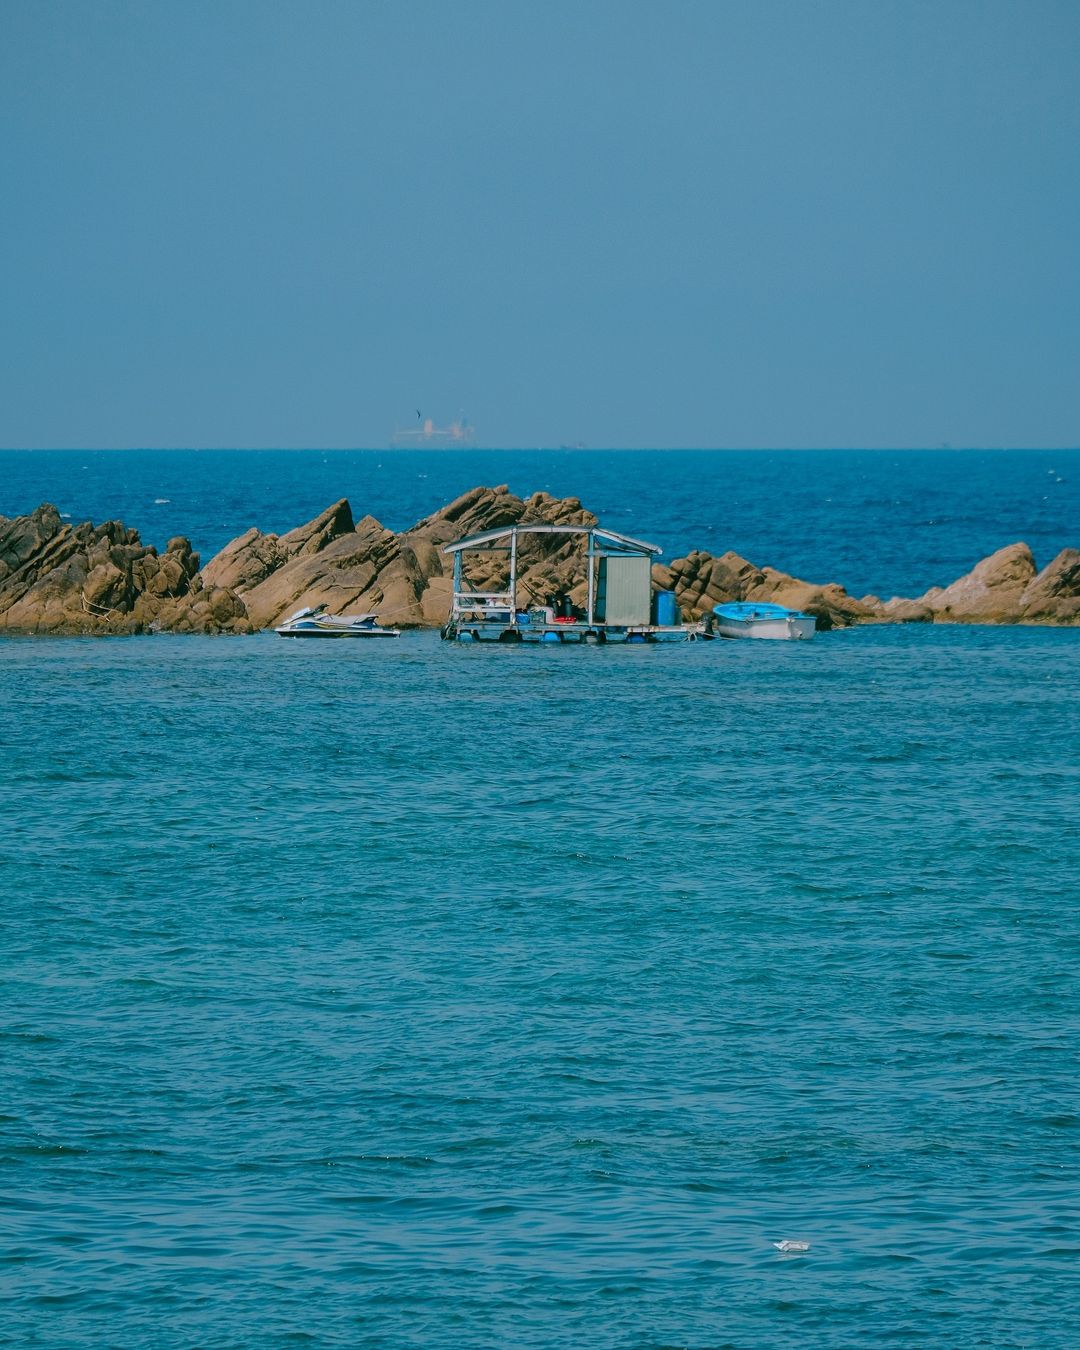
487, 540
505, 540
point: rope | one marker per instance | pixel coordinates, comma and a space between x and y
98, 611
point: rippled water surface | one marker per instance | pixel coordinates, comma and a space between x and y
894, 523
403, 995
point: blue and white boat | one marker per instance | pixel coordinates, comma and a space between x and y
314, 622
757, 619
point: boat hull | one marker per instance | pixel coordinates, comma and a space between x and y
316, 622
790, 629
336, 632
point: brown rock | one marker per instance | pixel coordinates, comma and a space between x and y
316, 534
990, 593
898, 610
58, 578
106, 586
435, 601
404, 578
246, 561
341, 571
55, 578
225, 606
830, 604
26, 536
1054, 595
701, 581
1003, 588
180, 548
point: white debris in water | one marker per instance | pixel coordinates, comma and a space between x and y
787, 1245
162, 501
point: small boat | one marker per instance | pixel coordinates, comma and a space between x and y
747, 619
315, 622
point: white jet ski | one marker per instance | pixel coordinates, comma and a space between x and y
315, 622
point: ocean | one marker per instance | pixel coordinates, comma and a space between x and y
412, 995
876, 521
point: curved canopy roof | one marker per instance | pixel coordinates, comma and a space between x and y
490, 538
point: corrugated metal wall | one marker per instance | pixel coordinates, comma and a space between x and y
624, 590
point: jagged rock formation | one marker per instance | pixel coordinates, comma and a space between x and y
700, 581
1053, 595
405, 578
61, 578
1006, 587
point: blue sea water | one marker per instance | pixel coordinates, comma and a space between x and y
406, 995
876, 521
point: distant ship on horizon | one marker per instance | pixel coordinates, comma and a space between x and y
427, 436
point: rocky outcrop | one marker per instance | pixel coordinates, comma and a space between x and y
62, 578
1054, 595
405, 578
990, 593
1006, 587
700, 581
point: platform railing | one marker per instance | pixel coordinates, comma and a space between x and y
483, 603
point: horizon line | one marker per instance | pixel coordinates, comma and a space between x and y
943, 447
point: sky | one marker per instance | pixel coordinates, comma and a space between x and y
725, 223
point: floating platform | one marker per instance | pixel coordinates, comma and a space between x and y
594, 634
616, 600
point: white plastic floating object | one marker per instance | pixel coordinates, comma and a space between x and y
787, 1245
315, 622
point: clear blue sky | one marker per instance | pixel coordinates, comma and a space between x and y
753, 223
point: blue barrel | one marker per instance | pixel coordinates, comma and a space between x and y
667, 611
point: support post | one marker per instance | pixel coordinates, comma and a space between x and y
592, 578
513, 578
